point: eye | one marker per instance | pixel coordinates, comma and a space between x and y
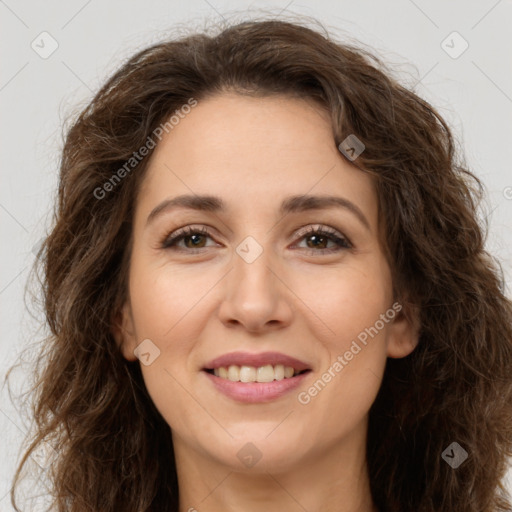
318, 237
193, 238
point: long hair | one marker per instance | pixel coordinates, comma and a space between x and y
113, 448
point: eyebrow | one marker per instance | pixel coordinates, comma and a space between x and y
291, 204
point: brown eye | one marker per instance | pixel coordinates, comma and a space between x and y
193, 238
317, 241
318, 238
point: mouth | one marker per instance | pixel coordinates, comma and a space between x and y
252, 378
262, 367
245, 373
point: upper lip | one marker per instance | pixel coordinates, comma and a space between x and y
256, 360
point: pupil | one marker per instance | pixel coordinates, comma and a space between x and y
316, 238
194, 239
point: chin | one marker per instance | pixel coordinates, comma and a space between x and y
249, 453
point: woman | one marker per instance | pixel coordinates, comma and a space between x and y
267, 290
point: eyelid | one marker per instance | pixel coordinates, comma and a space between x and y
331, 232
309, 228
184, 231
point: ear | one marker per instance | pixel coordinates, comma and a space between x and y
404, 331
122, 328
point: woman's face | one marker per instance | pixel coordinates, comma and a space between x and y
269, 275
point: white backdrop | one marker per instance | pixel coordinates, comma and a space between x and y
56, 54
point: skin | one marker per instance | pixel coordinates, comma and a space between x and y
294, 298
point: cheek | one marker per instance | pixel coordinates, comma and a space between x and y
337, 402
350, 305
343, 301
164, 299
169, 308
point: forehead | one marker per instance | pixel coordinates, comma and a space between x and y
253, 152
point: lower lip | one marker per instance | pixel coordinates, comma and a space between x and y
256, 392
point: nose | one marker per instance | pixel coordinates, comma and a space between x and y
255, 295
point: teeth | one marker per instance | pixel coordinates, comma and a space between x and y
247, 374
234, 373
279, 372
266, 373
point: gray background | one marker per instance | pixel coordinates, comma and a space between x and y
473, 91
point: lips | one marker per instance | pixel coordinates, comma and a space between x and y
276, 375
256, 360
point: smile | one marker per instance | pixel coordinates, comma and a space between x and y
266, 373
255, 377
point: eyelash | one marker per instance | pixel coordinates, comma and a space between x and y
169, 242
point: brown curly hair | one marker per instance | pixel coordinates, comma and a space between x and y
89, 403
